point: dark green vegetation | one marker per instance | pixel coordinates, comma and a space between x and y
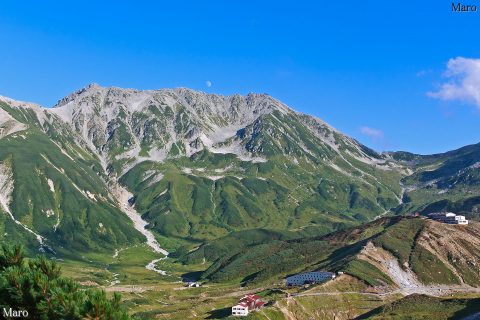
239, 258
277, 194
51, 196
425, 307
443, 182
57, 189
401, 239
367, 272
402, 242
35, 285
230, 243
256, 262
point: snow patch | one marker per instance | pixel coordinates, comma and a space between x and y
49, 213
87, 194
55, 227
154, 178
187, 170
334, 166
91, 195
222, 170
237, 149
123, 196
51, 185
65, 153
214, 178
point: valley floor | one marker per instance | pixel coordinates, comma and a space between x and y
150, 295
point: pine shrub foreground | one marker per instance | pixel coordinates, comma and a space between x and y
36, 286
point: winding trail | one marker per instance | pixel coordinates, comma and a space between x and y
431, 290
399, 199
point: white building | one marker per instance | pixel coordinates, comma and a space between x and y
461, 220
240, 310
193, 284
309, 277
448, 217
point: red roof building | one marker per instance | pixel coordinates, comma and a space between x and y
247, 304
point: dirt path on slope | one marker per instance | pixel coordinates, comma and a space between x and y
284, 310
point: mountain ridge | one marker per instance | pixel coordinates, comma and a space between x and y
198, 165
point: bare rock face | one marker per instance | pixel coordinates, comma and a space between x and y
140, 125
6, 186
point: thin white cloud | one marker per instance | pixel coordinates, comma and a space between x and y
208, 83
374, 134
421, 73
463, 82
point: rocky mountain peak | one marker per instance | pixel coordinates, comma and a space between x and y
87, 90
132, 125
258, 103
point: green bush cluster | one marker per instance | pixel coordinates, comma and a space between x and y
367, 272
36, 286
417, 306
400, 238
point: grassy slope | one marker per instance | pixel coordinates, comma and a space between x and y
425, 307
297, 188
83, 223
217, 248
401, 241
277, 258
164, 299
447, 181
193, 207
237, 260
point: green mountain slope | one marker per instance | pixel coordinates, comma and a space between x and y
425, 307
412, 254
245, 261
448, 181
56, 194
290, 179
199, 166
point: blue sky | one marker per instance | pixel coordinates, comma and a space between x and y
365, 67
